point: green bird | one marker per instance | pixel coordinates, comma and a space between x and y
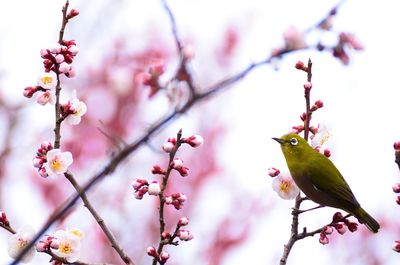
320, 180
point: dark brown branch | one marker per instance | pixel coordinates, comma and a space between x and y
99, 220
58, 121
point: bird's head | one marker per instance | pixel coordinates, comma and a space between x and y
293, 144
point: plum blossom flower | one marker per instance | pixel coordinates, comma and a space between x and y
69, 245
77, 109
46, 97
57, 162
285, 187
18, 241
47, 80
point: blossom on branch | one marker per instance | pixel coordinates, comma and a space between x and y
57, 162
18, 241
74, 109
69, 245
285, 187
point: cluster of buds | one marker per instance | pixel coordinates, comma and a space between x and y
66, 244
48, 242
59, 57
396, 147
141, 187
152, 76
3, 219
340, 224
176, 199
41, 158
183, 235
193, 140
283, 184
162, 258
346, 42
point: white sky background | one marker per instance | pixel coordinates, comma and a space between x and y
361, 101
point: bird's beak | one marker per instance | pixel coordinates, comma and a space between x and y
279, 140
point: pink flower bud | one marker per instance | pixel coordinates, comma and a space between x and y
168, 147
396, 246
185, 235
43, 172
396, 187
327, 230
188, 52
47, 63
398, 200
273, 172
177, 163
164, 256
54, 243
59, 58
154, 188
38, 162
72, 13
46, 146
169, 200
337, 217
157, 68
29, 91
298, 129
68, 58
300, 66
71, 73
396, 146
41, 246
352, 226
194, 140
69, 42
183, 171
327, 152
307, 86
140, 193
303, 116
151, 251
341, 228
317, 105
158, 170
73, 49
55, 48
64, 67
323, 239
314, 130
183, 221
165, 235
44, 53
138, 183
3, 219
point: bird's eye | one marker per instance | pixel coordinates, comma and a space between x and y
293, 141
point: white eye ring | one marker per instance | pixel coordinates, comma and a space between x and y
293, 141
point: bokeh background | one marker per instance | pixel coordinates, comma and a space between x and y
235, 215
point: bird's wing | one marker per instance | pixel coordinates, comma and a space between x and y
327, 178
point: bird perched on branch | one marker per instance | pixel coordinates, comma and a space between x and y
320, 180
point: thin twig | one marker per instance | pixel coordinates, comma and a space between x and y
99, 220
58, 121
161, 196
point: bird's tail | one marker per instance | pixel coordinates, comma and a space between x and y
366, 219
